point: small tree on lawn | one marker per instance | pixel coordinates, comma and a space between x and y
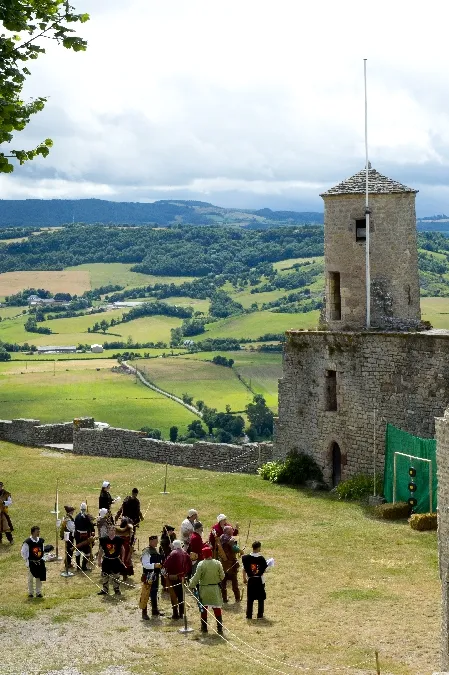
260, 418
173, 434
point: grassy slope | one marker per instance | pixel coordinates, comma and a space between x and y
257, 323
343, 585
436, 310
78, 388
102, 274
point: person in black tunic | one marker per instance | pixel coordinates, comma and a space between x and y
254, 566
151, 563
32, 552
105, 500
84, 538
112, 564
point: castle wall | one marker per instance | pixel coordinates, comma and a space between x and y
404, 376
393, 260
442, 435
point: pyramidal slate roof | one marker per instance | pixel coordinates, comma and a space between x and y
377, 184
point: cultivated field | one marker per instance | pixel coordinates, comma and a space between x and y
343, 584
74, 282
102, 274
258, 323
436, 310
59, 391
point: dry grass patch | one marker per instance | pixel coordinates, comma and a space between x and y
54, 281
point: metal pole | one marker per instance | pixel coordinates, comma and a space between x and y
164, 492
394, 478
186, 629
374, 451
367, 213
430, 487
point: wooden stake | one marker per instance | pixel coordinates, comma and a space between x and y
377, 663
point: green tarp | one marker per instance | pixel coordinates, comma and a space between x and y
400, 441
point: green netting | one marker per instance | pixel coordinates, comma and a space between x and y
400, 441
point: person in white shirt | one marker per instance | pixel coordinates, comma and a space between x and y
187, 527
33, 554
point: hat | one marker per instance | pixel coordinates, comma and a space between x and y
198, 525
102, 513
192, 512
220, 517
169, 528
69, 509
106, 483
83, 506
207, 552
176, 544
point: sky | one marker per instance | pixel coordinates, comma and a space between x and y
241, 103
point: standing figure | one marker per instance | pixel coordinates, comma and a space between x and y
217, 531
104, 523
187, 527
254, 567
68, 525
84, 538
195, 549
168, 535
6, 527
105, 500
177, 567
112, 563
131, 509
32, 552
229, 550
151, 563
126, 531
209, 575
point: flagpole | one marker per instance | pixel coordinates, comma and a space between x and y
367, 211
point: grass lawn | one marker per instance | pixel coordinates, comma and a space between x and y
81, 388
258, 323
284, 264
343, 585
246, 298
106, 354
102, 274
436, 310
8, 312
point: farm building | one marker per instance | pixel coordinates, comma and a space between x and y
56, 350
96, 349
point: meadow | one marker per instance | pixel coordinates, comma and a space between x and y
343, 584
74, 281
436, 310
58, 391
258, 323
103, 274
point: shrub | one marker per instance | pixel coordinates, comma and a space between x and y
359, 487
152, 433
392, 511
423, 521
295, 470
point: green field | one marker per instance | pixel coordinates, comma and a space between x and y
284, 264
258, 323
102, 274
60, 391
435, 310
343, 584
246, 298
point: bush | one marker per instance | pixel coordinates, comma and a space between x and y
359, 487
295, 470
423, 521
152, 433
396, 511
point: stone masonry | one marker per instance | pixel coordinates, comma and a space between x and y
404, 376
442, 435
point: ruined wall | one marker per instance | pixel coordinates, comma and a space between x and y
404, 376
32, 432
442, 436
111, 442
393, 257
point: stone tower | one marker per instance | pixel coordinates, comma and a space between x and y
393, 254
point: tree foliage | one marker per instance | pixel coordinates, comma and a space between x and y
28, 24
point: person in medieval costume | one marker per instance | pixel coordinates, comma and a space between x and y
33, 554
67, 533
168, 536
229, 549
126, 532
196, 545
105, 500
84, 538
112, 563
187, 527
6, 527
104, 523
177, 567
131, 509
254, 568
151, 562
209, 575
217, 530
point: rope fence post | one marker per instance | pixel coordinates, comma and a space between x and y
164, 491
186, 628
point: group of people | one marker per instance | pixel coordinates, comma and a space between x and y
188, 564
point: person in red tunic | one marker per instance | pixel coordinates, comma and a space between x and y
195, 549
177, 567
217, 531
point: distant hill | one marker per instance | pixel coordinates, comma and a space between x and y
54, 212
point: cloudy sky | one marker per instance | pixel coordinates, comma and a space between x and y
246, 103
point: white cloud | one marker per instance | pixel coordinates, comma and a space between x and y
255, 97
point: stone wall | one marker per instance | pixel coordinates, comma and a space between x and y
393, 259
112, 442
442, 435
32, 432
403, 376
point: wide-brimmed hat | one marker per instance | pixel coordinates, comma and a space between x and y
220, 517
